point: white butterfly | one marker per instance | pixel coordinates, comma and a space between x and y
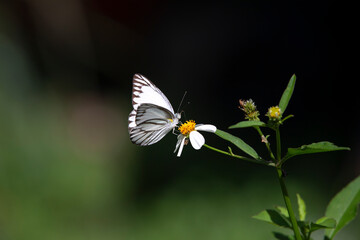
153, 116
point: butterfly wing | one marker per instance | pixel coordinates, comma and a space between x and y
144, 91
153, 116
152, 124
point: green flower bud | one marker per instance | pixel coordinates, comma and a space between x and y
249, 107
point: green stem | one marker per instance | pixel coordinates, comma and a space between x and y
288, 205
234, 155
266, 142
278, 144
284, 189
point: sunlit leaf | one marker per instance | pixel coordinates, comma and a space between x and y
302, 207
343, 207
238, 142
285, 98
283, 211
322, 223
313, 148
245, 124
273, 217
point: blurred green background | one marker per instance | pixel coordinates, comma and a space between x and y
67, 167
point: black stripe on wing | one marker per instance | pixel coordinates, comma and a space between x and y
140, 81
152, 124
151, 113
144, 138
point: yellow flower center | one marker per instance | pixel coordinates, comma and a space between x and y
274, 112
187, 127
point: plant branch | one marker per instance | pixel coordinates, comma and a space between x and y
278, 144
266, 142
231, 154
284, 189
288, 205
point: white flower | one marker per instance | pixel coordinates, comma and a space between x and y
189, 130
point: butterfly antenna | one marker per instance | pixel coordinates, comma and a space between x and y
181, 101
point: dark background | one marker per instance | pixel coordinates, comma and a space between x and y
67, 167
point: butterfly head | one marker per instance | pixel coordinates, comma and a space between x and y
178, 116
176, 119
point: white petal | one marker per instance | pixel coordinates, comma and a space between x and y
181, 146
205, 127
180, 138
196, 139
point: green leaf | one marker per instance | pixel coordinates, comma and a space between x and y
286, 118
285, 98
312, 148
302, 207
239, 143
322, 223
273, 217
343, 206
245, 124
283, 211
281, 236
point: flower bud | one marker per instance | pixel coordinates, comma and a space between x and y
249, 107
